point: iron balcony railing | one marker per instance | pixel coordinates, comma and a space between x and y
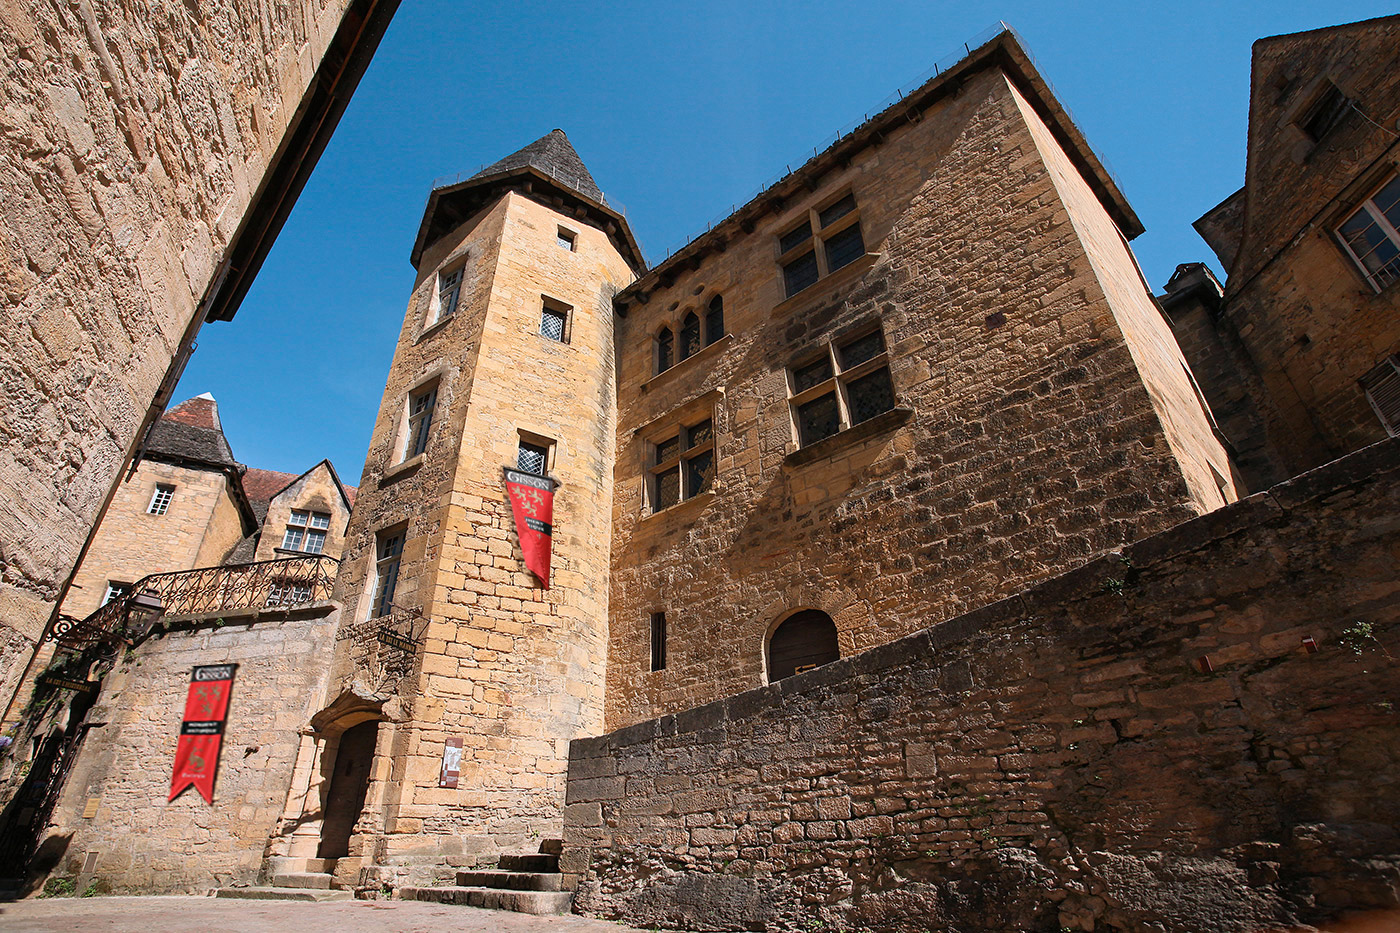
266, 584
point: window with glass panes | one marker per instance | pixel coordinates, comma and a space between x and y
449, 290
690, 335
682, 464
845, 384
664, 346
714, 320
306, 531
420, 419
554, 320
115, 590
388, 553
1371, 235
532, 458
160, 499
828, 239
1382, 388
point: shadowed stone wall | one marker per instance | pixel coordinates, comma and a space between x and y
1144, 744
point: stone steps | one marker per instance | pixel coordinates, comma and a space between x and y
271, 893
522, 902
303, 879
539, 862
511, 880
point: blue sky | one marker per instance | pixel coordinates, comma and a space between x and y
680, 113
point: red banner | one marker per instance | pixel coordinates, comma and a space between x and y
202, 732
532, 501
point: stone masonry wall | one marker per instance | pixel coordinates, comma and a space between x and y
1148, 743
143, 843
1031, 441
1310, 321
132, 140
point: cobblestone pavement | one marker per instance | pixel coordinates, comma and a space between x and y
214, 915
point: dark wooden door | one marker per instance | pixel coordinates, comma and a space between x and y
346, 797
805, 640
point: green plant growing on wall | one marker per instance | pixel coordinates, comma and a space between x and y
1360, 637
59, 887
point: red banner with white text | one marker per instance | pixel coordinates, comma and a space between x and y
532, 501
202, 732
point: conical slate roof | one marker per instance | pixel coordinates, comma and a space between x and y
554, 155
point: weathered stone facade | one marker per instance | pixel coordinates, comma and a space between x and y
1196, 733
136, 143
144, 844
1307, 317
1043, 411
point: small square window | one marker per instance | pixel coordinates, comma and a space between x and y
302, 532
1326, 112
532, 458
554, 321
567, 239
160, 499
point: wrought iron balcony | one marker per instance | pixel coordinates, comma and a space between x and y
269, 584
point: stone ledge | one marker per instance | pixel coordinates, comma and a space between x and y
827, 447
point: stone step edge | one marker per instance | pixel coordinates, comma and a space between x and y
511, 880
523, 902
269, 893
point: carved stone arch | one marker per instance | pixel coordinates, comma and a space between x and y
800, 640
352, 708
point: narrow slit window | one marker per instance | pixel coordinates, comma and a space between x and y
388, 554
714, 320
664, 350
658, 641
690, 335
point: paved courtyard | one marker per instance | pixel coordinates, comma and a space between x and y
190, 914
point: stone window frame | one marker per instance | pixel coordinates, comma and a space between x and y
566, 238
1382, 389
838, 381
551, 310
440, 309
659, 460
386, 566
658, 640
530, 441
115, 590
418, 425
810, 239
669, 335
1389, 228
161, 498
306, 531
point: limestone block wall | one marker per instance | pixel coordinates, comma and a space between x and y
1033, 441
1311, 323
316, 492
513, 670
133, 141
1199, 732
144, 844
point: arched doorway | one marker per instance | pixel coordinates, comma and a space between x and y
345, 797
806, 639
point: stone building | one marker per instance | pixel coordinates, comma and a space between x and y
900, 577
147, 161
1297, 352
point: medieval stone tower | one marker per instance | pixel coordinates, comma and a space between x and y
505, 359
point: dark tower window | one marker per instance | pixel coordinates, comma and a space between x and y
658, 641
664, 341
554, 320
690, 335
805, 640
532, 458
714, 320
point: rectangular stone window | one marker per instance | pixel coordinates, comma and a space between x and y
658, 641
306, 531
1382, 388
682, 462
449, 291
420, 419
847, 383
1325, 112
567, 239
160, 499
837, 231
532, 456
388, 553
554, 320
1371, 235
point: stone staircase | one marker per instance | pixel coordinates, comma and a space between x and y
527, 884
294, 879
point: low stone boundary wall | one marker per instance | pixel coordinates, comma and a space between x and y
1199, 733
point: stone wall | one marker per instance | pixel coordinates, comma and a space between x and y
1045, 421
133, 141
1199, 732
144, 844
